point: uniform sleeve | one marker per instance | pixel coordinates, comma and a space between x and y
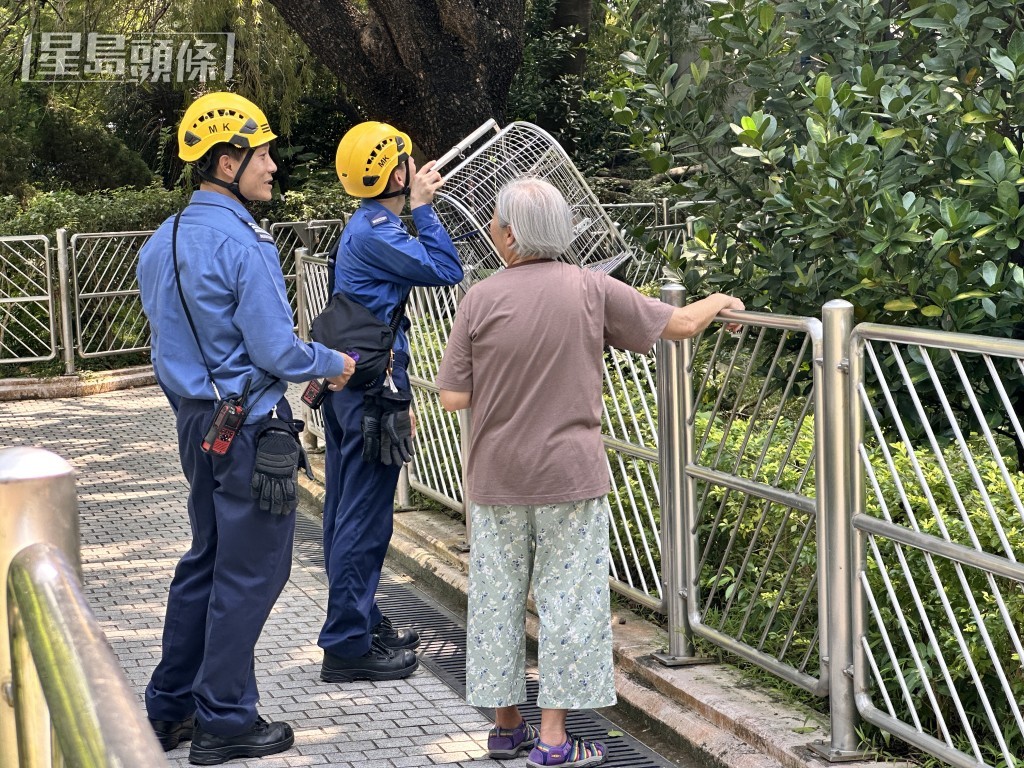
429, 259
456, 370
264, 318
632, 321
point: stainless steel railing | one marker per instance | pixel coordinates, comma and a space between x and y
65, 698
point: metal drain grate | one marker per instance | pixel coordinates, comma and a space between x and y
443, 651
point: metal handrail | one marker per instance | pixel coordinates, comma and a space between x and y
71, 702
94, 712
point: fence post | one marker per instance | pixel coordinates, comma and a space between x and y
37, 504
300, 292
403, 492
308, 438
64, 280
835, 509
671, 460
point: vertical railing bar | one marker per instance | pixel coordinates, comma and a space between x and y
780, 530
941, 459
733, 537
632, 540
968, 593
650, 523
733, 412
64, 278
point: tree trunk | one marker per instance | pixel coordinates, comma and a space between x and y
574, 13
434, 68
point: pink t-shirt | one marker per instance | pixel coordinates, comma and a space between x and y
528, 342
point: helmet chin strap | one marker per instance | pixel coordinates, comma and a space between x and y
398, 192
232, 186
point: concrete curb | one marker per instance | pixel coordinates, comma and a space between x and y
709, 710
75, 385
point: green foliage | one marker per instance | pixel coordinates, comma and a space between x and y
124, 210
81, 155
100, 136
320, 197
573, 107
118, 210
866, 153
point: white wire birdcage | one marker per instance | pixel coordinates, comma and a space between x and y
466, 201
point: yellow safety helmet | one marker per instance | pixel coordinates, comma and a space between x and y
221, 117
367, 154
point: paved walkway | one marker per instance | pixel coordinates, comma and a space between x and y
134, 524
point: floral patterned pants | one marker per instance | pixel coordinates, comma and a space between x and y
565, 547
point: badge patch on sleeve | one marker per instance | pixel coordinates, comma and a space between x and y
262, 234
378, 220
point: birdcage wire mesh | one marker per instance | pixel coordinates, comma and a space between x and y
466, 201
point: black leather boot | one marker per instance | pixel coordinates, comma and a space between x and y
379, 663
261, 740
396, 639
170, 733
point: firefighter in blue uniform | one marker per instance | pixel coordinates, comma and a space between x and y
369, 432
223, 344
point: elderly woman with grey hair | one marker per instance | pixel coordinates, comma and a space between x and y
526, 352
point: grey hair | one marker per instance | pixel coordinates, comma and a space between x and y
539, 215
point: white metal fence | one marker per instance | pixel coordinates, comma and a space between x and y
28, 331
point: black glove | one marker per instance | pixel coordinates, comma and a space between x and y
276, 468
370, 427
396, 438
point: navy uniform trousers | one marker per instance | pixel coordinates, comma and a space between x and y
358, 521
225, 585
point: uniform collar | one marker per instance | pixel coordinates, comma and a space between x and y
203, 197
375, 208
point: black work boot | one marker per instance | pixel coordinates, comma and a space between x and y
396, 639
378, 663
259, 741
170, 733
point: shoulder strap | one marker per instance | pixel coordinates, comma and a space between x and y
192, 325
332, 264
184, 304
396, 316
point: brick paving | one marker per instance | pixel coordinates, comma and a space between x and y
134, 525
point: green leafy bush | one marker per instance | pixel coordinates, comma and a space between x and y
568, 100
867, 150
117, 210
319, 197
125, 209
77, 153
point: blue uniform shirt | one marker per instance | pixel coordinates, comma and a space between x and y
379, 261
231, 277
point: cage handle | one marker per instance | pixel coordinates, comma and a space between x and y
465, 144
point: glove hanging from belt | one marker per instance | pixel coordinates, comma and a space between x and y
387, 427
279, 454
396, 445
